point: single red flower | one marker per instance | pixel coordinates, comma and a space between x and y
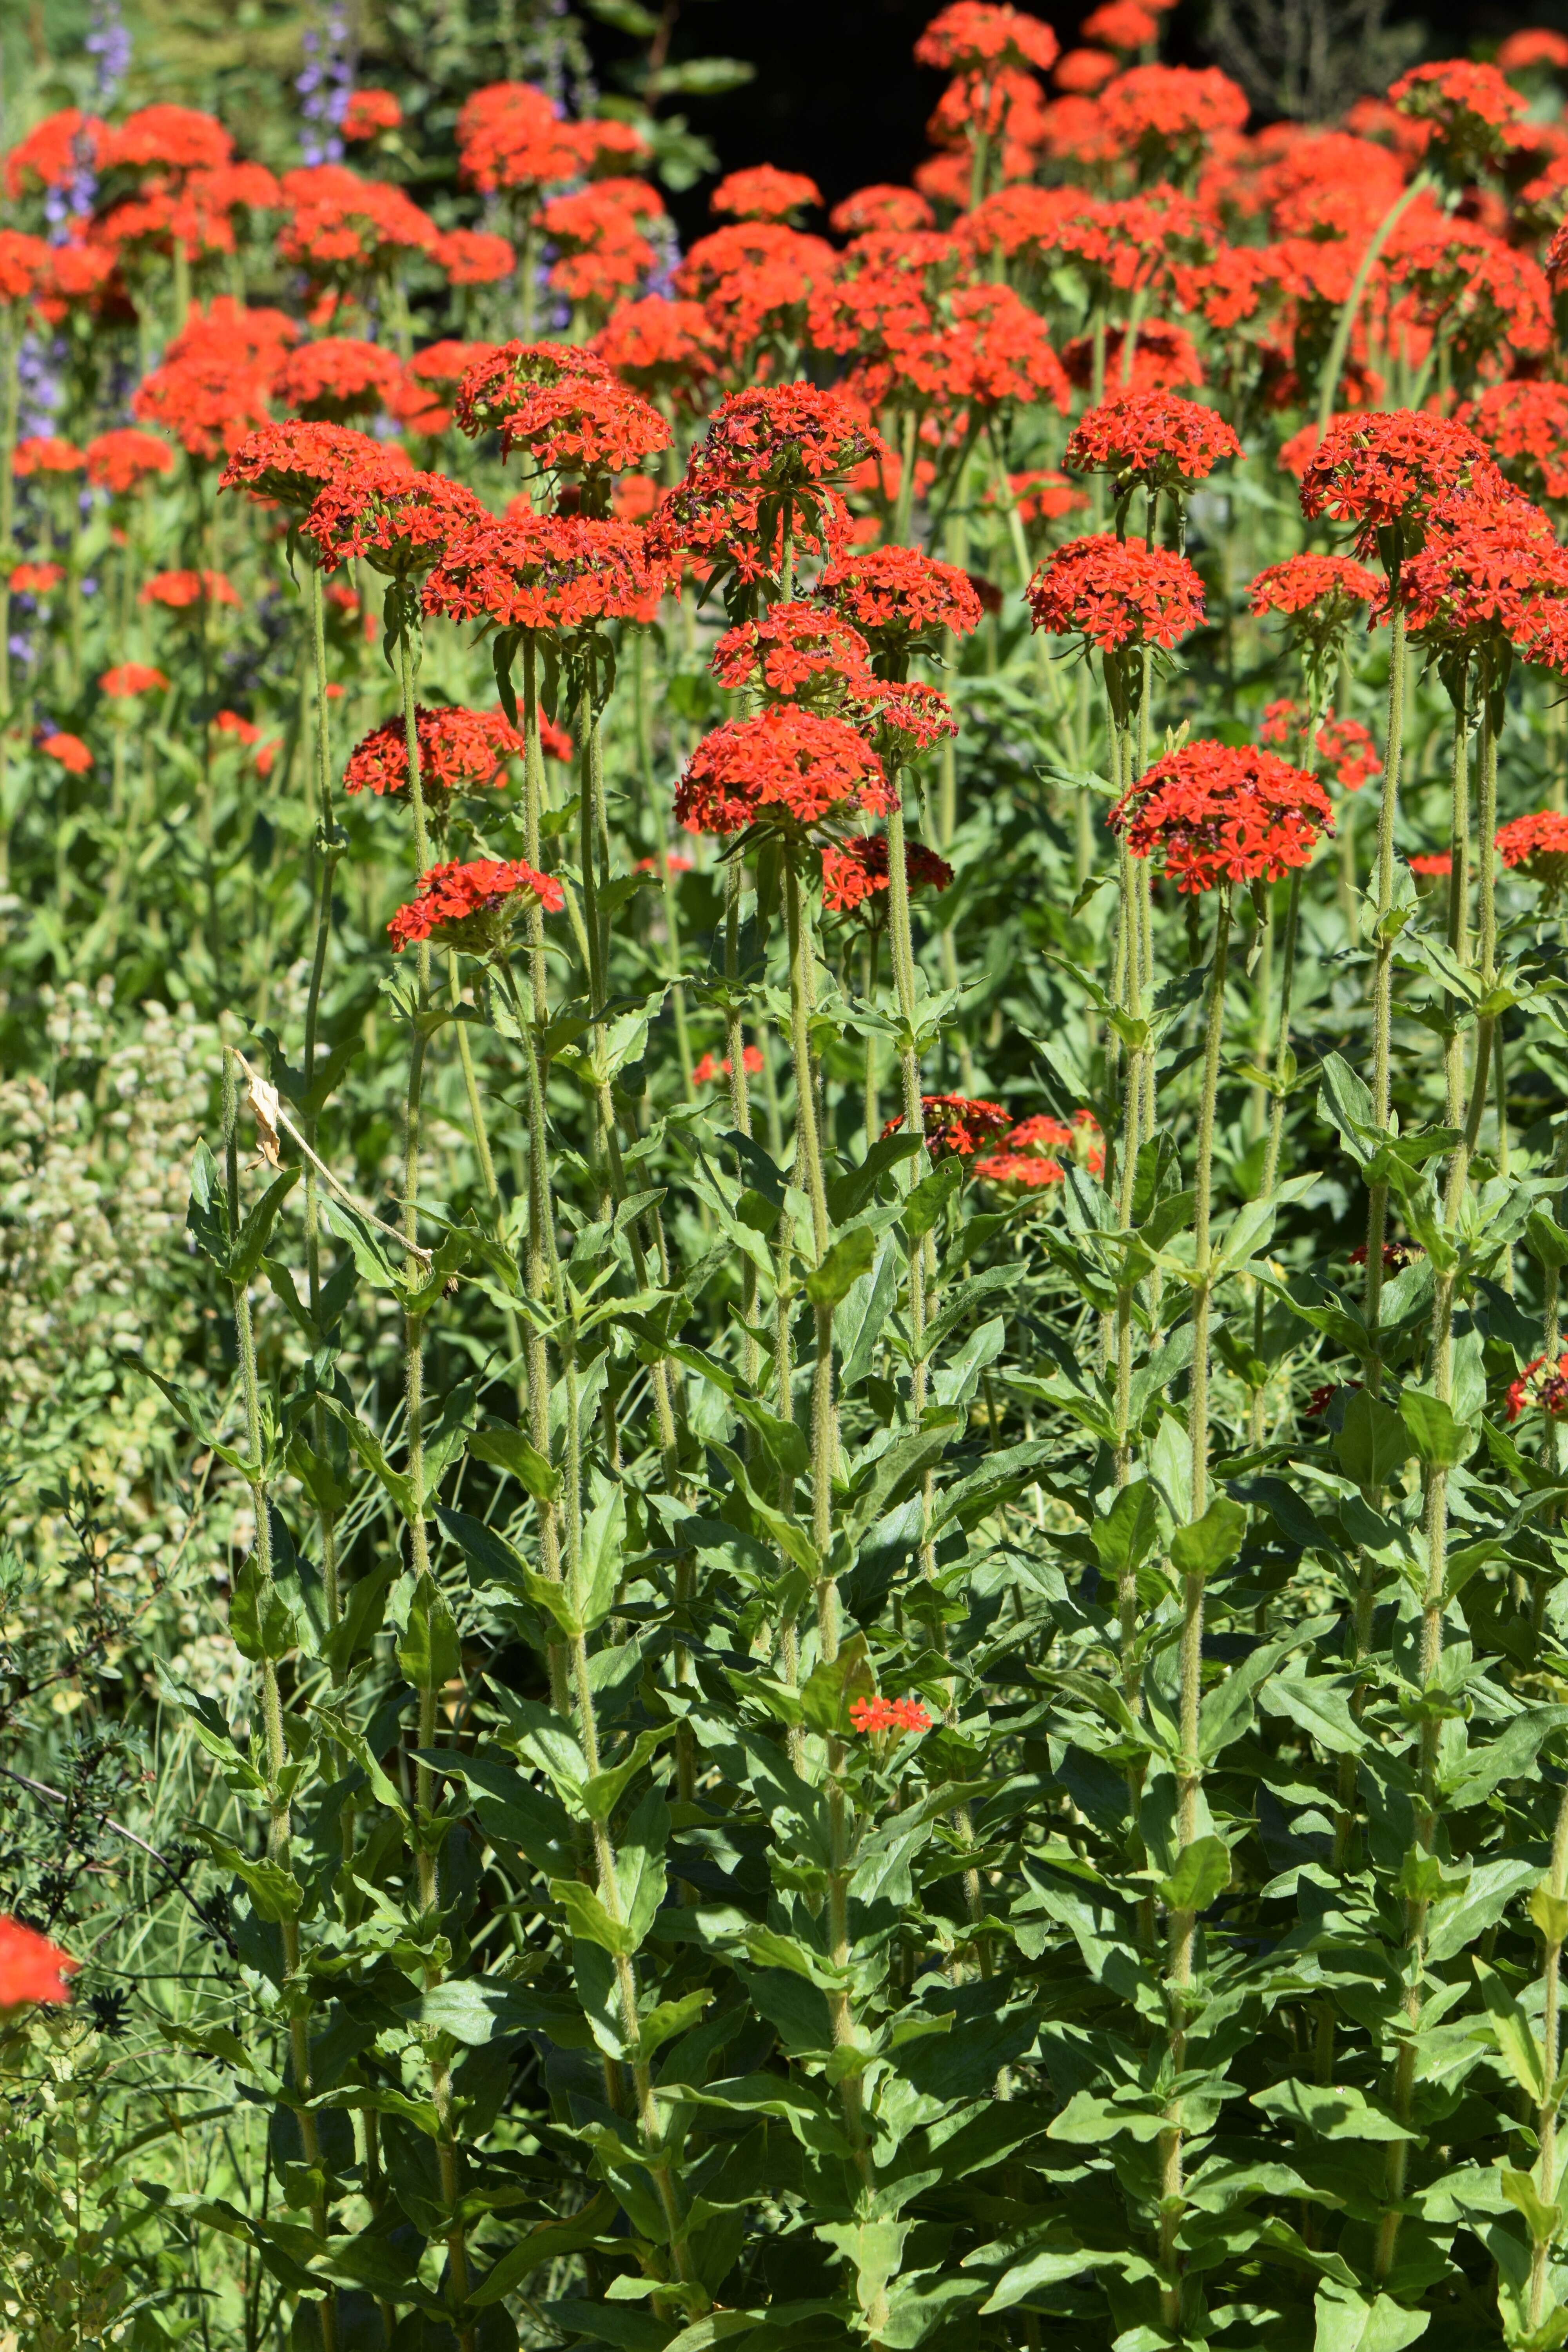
1212, 814
475, 906
1523, 52
1116, 592
880, 206
854, 873
561, 405
32, 1968
244, 731
399, 521
475, 256
786, 769
1387, 473
1430, 869
710, 1068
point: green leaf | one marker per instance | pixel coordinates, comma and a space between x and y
587, 1919
261, 1622
1517, 2043
1331, 2111
1047, 2267
603, 1791
849, 1257
1124, 1537
256, 1231
1487, 1891
864, 1315
1440, 1440
429, 1654
1346, 2323
832, 1687
1319, 1705
364, 1605
508, 1449
1210, 1543
1543, 2221
546, 2241
1374, 1442
1202, 1872
1547, 1241
851, 1193
926, 1201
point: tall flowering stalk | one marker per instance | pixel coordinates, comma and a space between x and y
1213, 816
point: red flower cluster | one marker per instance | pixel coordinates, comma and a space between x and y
339, 377
901, 600
597, 235
1537, 847
1020, 1171
1469, 110
709, 1068
369, 112
182, 591
900, 719
212, 386
1222, 812
561, 404
1318, 594
956, 1128
475, 256
460, 752
1150, 440
69, 751
121, 460
1116, 592
473, 907
1169, 116
290, 465
1344, 745
798, 652
1387, 475
788, 769
763, 193
1524, 424
36, 579
556, 572
31, 1967
660, 346
895, 212
880, 1714
1156, 357
1431, 867
510, 135
341, 229
856, 872
1550, 1391
400, 521
975, 36
1489, 570
45, 453
764, 471
128, 680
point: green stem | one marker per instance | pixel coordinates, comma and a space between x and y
1383, 988
1333, 365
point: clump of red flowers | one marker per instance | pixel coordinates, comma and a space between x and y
1534, 1386
369, 112
128, 680
183, 592
901, 600
31, 1967
1537, 847
70, 752
121, 460
709, 1068
879, 1715
563, 406
460, 752
399, 521
1151, 441
1388, 474
555, 572
856, 874
473, 906
1212, 814
796, 652
787, 769
763, 193
293, 464
956, 1126
1116, 592
338, 377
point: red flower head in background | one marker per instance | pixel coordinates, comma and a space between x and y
901, 719
399, 521
475, 256
763, 193
121, 460
786, 770
955, 1127
291, 463
127, 680
1210, 815
474, 906
560, 574
369, 112
1320, 598
339, 377
187, 591
1168, 116
877, 1715
1537, 847
856, 877
892, 210
660, 347
1467, 110
1524, 424
971, 37
45, 453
